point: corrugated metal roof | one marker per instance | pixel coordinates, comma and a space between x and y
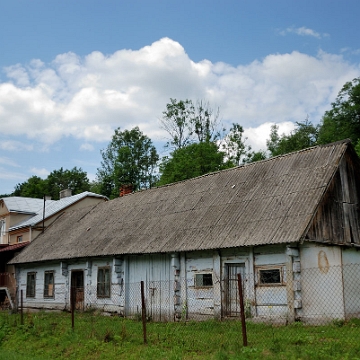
52, 207
267, 202
23, 204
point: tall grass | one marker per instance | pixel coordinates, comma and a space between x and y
50, 336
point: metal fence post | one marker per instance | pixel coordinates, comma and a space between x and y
242, 312
143, 311
21, 307
72, 306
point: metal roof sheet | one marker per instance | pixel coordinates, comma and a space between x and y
267, 202
52, 207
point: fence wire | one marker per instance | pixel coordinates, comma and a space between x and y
276, 305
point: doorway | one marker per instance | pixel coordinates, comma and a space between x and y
232, 304
77, 289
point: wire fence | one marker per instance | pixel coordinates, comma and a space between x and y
280, 299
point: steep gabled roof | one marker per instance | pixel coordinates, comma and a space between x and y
52, 207
268, 202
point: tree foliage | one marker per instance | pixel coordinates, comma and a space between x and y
234, 145
187, 123
191, 161
34, 187
76, 180
176, 122
130, 158
305, 135
343, 120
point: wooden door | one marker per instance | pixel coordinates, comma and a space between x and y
77, 289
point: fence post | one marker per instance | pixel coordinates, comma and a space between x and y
72, 306
143, 311
21, 307
242, 312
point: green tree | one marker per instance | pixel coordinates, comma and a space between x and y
305, 135
130, 158
34, 187
205, 122
343, 120
176, 121
75, 179
187, 123
191, 161
234, 145
254, 156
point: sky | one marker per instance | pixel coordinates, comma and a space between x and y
71, 72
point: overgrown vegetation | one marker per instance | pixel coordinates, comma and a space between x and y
49, 336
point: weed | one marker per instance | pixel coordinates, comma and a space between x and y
338, 322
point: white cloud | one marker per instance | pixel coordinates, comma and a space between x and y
86, 147
303, 31
88, 97
8, 162
256, 137
43, 173
11, 145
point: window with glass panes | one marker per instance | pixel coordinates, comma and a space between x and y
103, 282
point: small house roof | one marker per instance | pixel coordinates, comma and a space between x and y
268, 202
52, 207
24, 205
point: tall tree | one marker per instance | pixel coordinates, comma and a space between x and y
234, 145
205, 122
176, 121
305, 135
343, 120
34, 187
191, 161
75, 179
130, 158
187, 123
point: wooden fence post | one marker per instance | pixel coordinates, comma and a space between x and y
72, 306
242, 312
143, 311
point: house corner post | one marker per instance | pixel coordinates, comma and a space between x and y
292, 282
175, 265
183, 287
217, 284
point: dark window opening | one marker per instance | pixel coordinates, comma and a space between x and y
270, 276
202, 280
49, 284
30, 284
103, 283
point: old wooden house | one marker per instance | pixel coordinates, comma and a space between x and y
288, 224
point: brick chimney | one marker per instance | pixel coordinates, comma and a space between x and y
126, 189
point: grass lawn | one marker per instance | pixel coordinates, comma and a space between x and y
50, 336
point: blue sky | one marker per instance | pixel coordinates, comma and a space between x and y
73, 71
